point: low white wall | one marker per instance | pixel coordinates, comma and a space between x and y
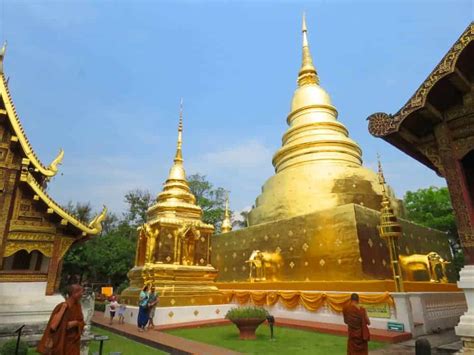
26, 303
420, 312
174, 315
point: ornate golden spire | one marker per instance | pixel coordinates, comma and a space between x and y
176, 198
226, 223
307, 74
390, 230
2, 55
177, 170
179, 145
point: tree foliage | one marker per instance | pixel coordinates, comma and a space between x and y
211, 199
431, 207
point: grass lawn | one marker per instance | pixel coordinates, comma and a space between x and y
288, 341
121, 344
118, 343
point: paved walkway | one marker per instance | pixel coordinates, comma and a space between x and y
157, 339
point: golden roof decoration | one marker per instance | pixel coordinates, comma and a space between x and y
382, 124
10, 111
92, 228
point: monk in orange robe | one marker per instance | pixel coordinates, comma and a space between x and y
62, 335
357, 323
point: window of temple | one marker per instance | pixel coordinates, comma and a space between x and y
24, 261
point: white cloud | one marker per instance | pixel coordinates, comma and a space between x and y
246, 155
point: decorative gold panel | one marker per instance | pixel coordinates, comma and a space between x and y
12, 247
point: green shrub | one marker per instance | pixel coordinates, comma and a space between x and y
99, 306
9, 348
247, 312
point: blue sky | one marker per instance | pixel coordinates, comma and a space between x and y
103, 80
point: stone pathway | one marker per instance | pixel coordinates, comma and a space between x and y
157, 339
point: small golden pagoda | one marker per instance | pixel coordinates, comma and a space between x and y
226, 226
173, 247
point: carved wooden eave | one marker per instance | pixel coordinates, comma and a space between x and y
65, 218
446, 94
9, 112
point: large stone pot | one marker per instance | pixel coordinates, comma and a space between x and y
247, 327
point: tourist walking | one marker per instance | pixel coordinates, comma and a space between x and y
63, 332
121, 313
142, 319
113, 305
357, 322
152, 302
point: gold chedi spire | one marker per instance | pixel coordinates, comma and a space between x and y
318, 166
390, 230
226, 226
176, 199
308, 74
314, 134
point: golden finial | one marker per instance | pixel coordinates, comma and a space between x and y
385, 199
2, 55
179, 153
307, 74
226, 223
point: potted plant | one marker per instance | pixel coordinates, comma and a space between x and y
247, 319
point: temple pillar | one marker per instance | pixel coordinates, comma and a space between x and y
54, 265
462, 205
458, 190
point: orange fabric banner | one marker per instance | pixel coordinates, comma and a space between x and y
312, 301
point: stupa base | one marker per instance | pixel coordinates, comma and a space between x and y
177, 285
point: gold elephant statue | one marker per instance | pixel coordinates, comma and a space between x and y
427, 263
263, 265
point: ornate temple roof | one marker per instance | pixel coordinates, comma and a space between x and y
10, 111
410, 128
30, 176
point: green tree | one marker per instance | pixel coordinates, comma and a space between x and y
431, 207
211, 199
139, 201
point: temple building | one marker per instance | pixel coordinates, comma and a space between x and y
36, 232
173, 251
315, 224
436, 127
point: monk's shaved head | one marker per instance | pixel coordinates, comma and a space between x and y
355, 297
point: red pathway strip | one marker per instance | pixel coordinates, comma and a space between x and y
339, 329
160, 340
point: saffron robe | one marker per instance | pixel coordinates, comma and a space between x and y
63, 341
357, 321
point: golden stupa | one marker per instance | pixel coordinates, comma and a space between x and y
173, 247
314, 226
318, 166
